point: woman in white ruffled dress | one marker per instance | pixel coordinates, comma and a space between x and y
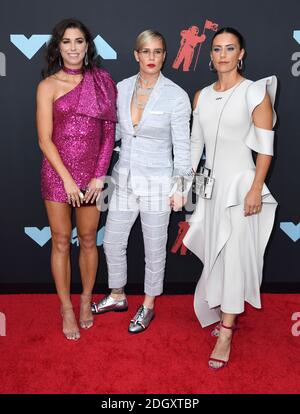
228, 232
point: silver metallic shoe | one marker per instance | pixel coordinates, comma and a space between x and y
108, 304
141, 320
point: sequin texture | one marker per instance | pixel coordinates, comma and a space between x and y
83, 132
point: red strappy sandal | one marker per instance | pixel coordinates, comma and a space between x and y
221, 361
216, 331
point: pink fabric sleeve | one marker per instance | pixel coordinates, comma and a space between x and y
106, 148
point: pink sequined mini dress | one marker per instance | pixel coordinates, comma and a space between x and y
83, 133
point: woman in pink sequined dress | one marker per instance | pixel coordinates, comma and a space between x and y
76, 128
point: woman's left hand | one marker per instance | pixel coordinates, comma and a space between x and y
253, 202
177, 201
94, 189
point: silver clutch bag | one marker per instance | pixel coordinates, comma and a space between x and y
203, 183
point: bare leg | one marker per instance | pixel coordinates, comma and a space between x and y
149, 301
222, 347
118, 294
216, 330
87, 220
59, 215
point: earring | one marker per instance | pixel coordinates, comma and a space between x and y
86, 60
60, 61
240, 64
211, 66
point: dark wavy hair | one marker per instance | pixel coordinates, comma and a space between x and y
53, 53
232, 31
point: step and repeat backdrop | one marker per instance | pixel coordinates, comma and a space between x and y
272, 33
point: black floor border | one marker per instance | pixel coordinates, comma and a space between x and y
135, 289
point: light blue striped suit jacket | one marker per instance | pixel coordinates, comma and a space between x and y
159, 149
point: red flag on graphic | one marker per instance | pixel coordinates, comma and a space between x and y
211, 25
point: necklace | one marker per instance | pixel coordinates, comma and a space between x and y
72, 71
146, 81
140, 92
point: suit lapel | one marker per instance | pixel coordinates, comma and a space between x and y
129, 97
152, 99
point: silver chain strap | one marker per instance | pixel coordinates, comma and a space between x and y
219, 122
204, 180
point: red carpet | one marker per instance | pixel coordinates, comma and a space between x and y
171, 357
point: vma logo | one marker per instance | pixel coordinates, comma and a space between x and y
30, 46
296, 56
290, 229
41, 237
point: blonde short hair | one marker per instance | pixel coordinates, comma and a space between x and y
148, 35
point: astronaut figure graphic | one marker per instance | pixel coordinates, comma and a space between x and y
189, 40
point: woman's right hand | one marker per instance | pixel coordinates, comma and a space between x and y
74, 194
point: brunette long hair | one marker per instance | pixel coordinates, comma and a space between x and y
52, 51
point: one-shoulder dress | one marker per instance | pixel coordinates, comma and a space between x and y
230, 245
84, 133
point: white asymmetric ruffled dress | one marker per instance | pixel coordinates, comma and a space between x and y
230, 245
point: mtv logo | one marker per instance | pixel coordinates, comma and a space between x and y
296, 36
291, 229
41, 237
30, 46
